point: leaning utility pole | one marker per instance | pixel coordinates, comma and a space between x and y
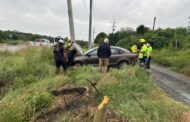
154, 23
113, 26
71, 23
90, 26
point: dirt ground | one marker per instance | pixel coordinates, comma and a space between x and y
77, 106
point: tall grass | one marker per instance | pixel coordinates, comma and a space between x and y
26, 76
133, 94
177, 60
30, 77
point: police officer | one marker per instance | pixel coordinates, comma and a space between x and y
59, 56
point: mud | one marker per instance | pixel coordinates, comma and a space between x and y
75, 104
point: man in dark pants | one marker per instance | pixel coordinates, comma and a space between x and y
104, 52
71, 56
59, 56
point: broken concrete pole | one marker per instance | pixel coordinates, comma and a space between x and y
101, 111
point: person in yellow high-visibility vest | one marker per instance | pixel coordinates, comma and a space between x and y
134, 49
149, 55
143, 52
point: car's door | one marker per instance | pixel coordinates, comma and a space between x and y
92, 57
115, 55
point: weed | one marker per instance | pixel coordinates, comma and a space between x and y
29, 75
177, 60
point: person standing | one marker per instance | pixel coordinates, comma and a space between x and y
149, 56
59, 56
142, 53
71, 56
134, 49
103, 53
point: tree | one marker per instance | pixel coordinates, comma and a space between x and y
100, 37
127, 42
113, 38
141, 29
14, 37
124, 32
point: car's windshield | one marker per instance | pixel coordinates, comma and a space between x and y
89, 51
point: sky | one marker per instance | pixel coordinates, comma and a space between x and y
50, 17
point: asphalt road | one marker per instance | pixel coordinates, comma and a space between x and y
175, 85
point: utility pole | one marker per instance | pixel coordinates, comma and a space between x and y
113, 26
188, 27
90, 26
154, 23
71, 23
93, 33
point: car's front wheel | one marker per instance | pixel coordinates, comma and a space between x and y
123, 64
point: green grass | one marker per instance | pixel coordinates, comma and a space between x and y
175, 60
30, 77
134, 95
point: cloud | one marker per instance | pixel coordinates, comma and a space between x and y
50, 17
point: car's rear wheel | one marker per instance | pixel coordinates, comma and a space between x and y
123, 64
79, 64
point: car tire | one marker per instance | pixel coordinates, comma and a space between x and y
123, 64
79, 64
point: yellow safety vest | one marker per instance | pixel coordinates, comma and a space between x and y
134, 49
149, 51
143, 51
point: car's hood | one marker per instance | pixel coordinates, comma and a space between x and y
78, 48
